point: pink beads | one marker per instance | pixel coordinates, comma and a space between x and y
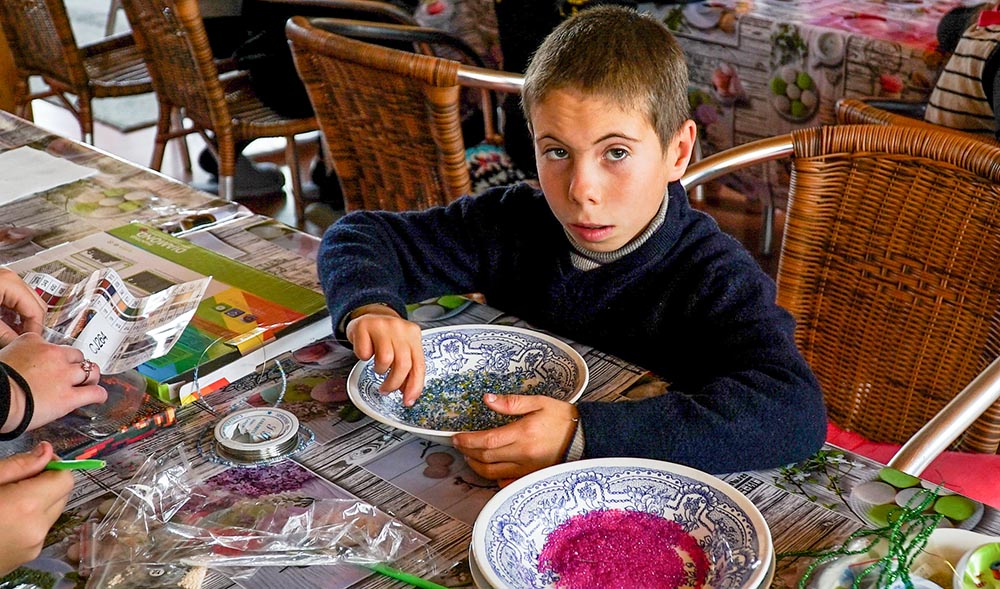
617, 549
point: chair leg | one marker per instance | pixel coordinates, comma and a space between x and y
226, 157
767, 221
182, 146
109, 26
292, 159
226, 187
86, 116
22, 100
767, 229
162, 136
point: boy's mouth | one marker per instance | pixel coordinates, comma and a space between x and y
589, 232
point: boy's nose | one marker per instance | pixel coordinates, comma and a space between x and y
583, 186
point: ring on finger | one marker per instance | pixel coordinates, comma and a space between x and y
88, 367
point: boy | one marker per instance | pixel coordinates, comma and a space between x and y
608, 253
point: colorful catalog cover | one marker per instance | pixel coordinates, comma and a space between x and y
243, 310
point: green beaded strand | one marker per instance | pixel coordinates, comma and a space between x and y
906, 534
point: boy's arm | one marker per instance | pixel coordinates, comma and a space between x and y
741, 396
398, 258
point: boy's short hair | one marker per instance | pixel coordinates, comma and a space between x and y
619, 54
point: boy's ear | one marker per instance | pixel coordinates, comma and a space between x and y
680, 150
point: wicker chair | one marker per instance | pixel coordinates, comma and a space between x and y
224, 110
42, 44
390, 118
890, 264
852, 111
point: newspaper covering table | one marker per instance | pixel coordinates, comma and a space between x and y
118, 193
388, 467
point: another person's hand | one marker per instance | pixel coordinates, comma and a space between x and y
377, 330
59, 380
538, 439
18, 298
30, 501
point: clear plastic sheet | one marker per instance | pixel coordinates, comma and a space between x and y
164, 519
44, 573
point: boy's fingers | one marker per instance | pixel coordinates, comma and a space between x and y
397, 376
490, 440
363, 347
512, 404
28, 464
414, 381
495, 470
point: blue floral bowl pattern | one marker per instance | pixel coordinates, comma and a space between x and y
463, 362
512, 528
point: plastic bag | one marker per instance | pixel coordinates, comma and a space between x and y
166, 519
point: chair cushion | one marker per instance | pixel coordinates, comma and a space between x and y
489, 166
973, 475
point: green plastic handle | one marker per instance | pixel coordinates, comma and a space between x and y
87, 464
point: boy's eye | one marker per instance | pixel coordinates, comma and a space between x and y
617, 154
556, 153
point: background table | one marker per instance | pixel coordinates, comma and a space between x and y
736, 49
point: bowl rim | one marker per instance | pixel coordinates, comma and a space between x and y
353, 393
765, 549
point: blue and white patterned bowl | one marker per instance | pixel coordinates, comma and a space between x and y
512, 528
464, 362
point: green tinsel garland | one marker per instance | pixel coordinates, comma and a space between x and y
906, 535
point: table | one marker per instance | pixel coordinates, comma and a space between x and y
760, 68
386, 467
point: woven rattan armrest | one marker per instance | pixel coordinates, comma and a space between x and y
108, 44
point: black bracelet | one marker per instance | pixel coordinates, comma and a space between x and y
5, 393
29, 401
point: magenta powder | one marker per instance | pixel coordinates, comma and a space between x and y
617, 549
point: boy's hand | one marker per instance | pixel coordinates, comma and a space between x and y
536, 440
377, 330
30, 502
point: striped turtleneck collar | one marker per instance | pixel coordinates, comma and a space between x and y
585, 259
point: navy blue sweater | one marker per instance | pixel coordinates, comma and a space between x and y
690, 304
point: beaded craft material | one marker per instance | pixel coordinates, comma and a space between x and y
619, 549
904, 538
455, 402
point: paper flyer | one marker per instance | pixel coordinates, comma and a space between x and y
108, 324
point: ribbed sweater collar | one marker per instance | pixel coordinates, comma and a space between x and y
585, 259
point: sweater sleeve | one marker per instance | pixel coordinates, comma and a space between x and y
741, 397
399, 258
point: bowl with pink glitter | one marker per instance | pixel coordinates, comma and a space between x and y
621, 523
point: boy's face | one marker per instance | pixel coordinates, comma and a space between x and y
602, 168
